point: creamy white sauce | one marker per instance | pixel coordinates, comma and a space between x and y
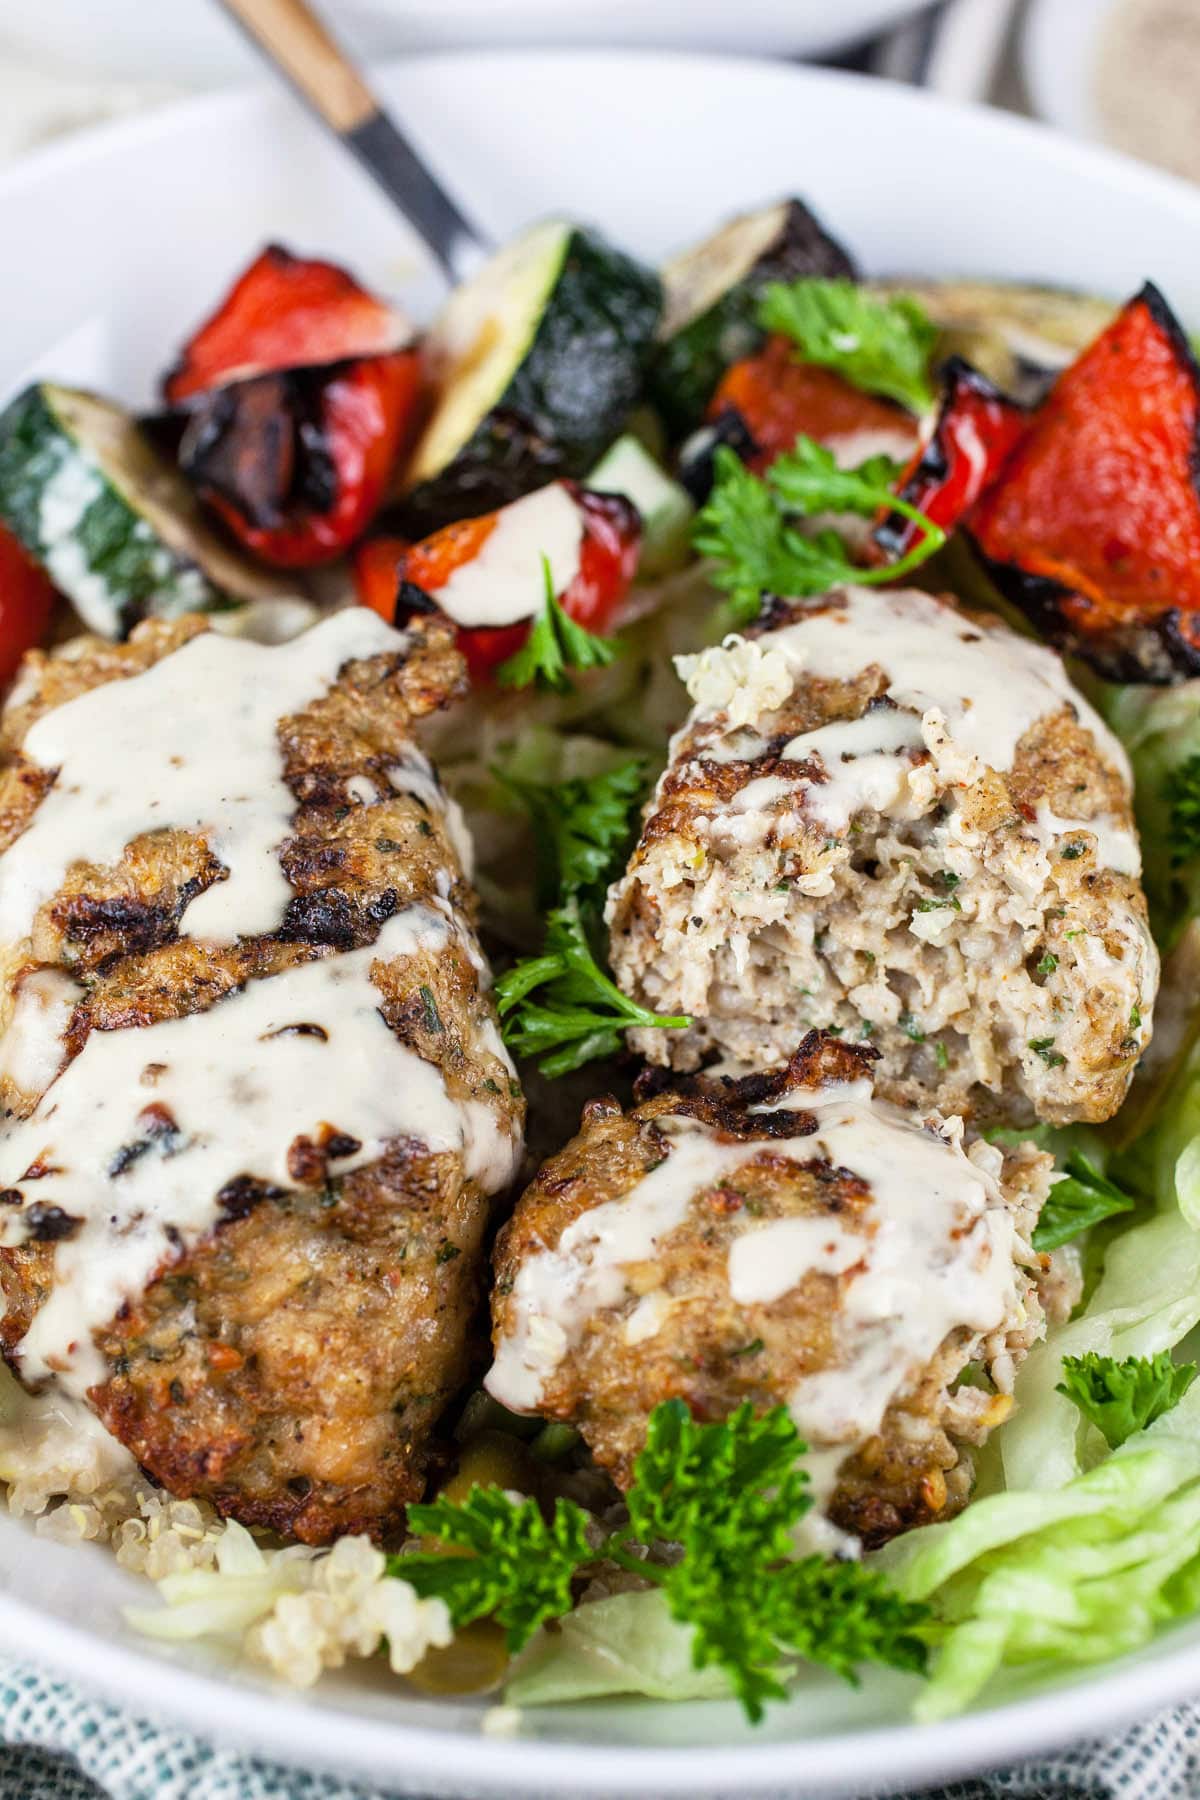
231, 1089
189, 744
1117, 846
866, 763
362, 789
932, 1251
51, 1444
963, 696
506, 582
32, 1049
269, 621
766, 1264
939, 1256
557, 1291
987, 685
850, 448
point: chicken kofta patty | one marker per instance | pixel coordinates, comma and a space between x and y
896, 820
784, 1239
257, 1095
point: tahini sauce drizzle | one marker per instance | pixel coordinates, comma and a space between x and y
987, 684
505, 582
230, 1090
192, 744
935, 1252
965, 692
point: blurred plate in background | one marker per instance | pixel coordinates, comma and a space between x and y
191, 42
1059, 42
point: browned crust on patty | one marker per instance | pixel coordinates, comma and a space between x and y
291, 1366
713, 1352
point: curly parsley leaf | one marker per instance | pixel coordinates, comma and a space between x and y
555, 644
511, 1563
1123, 1397
743, 530
1182, 792
580, 1014
730, 1495
840, 1614
740, 1476
882, 345
1079, 1199
807, 480
747, 527
581, 827
727, 1497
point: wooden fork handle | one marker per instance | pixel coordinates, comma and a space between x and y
291, 36
295, 39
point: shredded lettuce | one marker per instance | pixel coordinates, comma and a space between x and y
626, 1644
226, 1600
1160, 727
1147, 1300
1065, 1577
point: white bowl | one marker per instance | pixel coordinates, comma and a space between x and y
192, 43
122, 240
1058, 56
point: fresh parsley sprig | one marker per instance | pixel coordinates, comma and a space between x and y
511, 1563
579, 1013
728, 1496
747, 526
580, 827
555, 644
1080, 1198
1123, 1397
882, 345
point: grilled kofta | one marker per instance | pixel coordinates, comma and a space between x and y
784, 1239
899, 821
257, 1097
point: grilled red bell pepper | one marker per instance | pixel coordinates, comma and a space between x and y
778, 398
26, 603
300, 399
976, 430
1093, 526
396, 578
297, 465
285, 312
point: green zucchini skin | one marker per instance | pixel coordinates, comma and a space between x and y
568, 398
688, 366
89, 516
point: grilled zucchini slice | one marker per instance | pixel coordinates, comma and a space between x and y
114, 526
664, 506
536, 362
711, 295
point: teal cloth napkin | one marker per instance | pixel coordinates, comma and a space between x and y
59, 1743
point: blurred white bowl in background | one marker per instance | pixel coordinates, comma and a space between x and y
1058, 56
193, 43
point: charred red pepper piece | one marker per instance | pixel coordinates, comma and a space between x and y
299, 398
778, 398
26, 603
976, 430
1094, 524
396, 578
285, 312
297, 464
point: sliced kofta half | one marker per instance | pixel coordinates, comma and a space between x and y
786, 1239
257, 1097
896, 820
